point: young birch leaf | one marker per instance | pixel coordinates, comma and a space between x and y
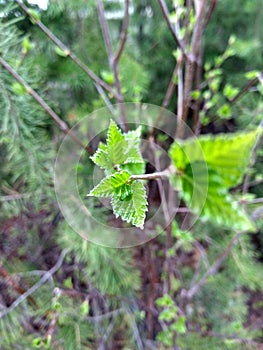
116, 144
229, 155
100, 157
119, 179
219, 206
134, 209
226, 158
103, 189
134, 168
109, 185
133, 150
122, 150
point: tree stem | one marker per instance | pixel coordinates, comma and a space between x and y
154, 176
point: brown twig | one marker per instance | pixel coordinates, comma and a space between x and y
124, 32
13, 284
226, 336
112, 60
180, 93
197, 104
36, 286
166, 101
179, 42
196, 44
154, 176
64, 48
61, 124
210, 11
212, 270
244, 90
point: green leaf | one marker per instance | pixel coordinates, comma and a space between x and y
100, 157
27, 45
119, 179
121, 189
60, 52
227, 154
134, 168
230, 92
134, 209
133, 149
164, 301
208, 167
224, 112
37, 342
121, 150
19, 89
35, 16
84, 308
219, 206
108, 77
179, 326
103, 189
110, 185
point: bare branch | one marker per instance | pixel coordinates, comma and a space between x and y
64, 48
61, 124
36, 286
13, 284
227, 336
244, 90
252, 160
180, 94
212, 270
124, 32
112, 61
210, 11
196, 44
166, 101
105, 30
154, 176
179, 42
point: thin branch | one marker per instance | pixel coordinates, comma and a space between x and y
254, 201
212, 270
124, 32
64, 48
105, 316
112, 61
166, 101
13, 284
179, 42
197, 104
106, 335
180, 94
154, 176
61, 124
252, 160
105, 98
105, 31
36, 286
12, 197
244, 90
210, 11
226, 336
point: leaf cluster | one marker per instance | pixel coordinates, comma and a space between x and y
120, 157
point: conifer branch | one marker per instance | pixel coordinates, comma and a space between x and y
61, 124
